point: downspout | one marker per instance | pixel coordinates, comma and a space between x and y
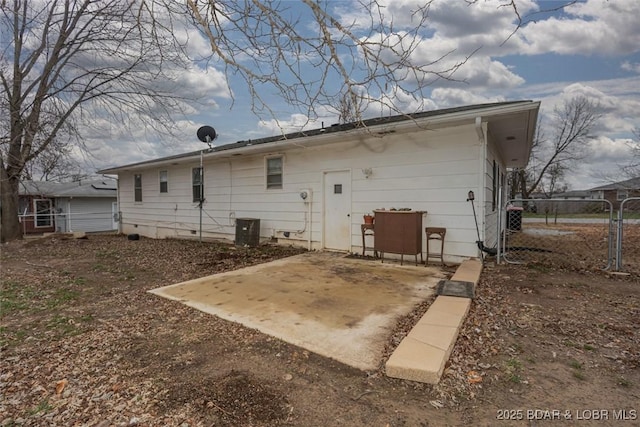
499, 224
201, 191
120, 228
483, 174
68, 219
309, 219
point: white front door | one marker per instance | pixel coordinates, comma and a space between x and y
337, 210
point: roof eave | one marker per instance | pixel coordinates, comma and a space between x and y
319, 137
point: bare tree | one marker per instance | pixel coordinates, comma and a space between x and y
320, 61
632, 168
62, 56
55, 163
571, 129
312, 58
62, 60
349, 106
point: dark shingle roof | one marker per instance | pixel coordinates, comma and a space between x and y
629, 184
94, 188
326, 130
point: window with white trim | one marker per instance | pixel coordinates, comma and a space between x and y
274, 172
164, 182
43, 212
197, 184
494, 186
622, 194
137, 187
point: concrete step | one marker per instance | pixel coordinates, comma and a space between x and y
423, 353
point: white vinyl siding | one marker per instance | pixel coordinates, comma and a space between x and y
90, 214
429, 170
493, 184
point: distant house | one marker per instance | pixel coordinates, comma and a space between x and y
562, 203
573, 195
313, 188
71, 206
618, 191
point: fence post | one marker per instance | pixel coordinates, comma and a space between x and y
633, 211
619, 238
499, 232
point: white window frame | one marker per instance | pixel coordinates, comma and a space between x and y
200, 184
136, 188
165, 181
275, 186
37, 216
622, 194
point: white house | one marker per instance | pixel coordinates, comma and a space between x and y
312, 188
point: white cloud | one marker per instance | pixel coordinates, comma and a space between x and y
445, 65
451, 97
629, 66
396, 101
608, 149
594, 27
604, 165
617, 105
453, 30
295, 123
482, 20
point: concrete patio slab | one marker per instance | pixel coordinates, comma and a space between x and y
337, 307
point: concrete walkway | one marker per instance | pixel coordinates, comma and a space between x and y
423, 353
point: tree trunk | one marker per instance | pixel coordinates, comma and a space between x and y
524, 191
10, 229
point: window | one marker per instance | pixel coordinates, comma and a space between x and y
164, 182
197, 184
137, 187
496, 172
43, 213
622, 194
274, 172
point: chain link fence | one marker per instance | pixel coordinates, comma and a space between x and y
573, 234
628, 236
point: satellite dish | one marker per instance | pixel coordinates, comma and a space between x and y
207, 134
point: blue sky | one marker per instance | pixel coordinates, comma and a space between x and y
590, 48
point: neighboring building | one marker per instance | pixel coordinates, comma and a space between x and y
618, 191
70, 206
313, 188
564, 203
573, 195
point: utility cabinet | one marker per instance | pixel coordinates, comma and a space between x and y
247, 232
398, 232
